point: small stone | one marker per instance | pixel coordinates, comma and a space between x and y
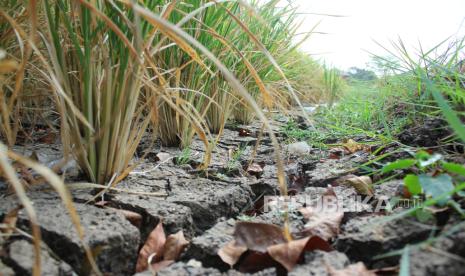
163, 156
299, 148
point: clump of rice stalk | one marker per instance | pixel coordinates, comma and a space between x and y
96, 56
305, 76
237, 37
333, 83
275, 27
196, 88
13, 67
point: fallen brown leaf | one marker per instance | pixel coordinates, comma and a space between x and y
324, 219
258, 246
337, 153
230, 253
10, 220
258, 236
244, 132
153, 245
175, 244
288, 254
296, 184
255, 169
362, 184
357, 269
133, 217
253, 261
351, 146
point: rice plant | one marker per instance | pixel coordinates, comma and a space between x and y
333, 83
234, 33
277, 35
114, 67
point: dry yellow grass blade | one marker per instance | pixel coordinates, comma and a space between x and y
181, 43
49, 75
267, 98
10, 174
8, 66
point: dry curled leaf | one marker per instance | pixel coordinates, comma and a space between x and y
133, 217
288, 254
362, 184
258, 236
154, 245
351, 146
175, 244
253, 261
357, 269
324, 218
230, 253
258, 246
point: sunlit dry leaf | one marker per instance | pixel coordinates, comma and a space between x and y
353, 146
230, 253
175, 244
154, 245
358, 269
362, 184
258, 236
324, 219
